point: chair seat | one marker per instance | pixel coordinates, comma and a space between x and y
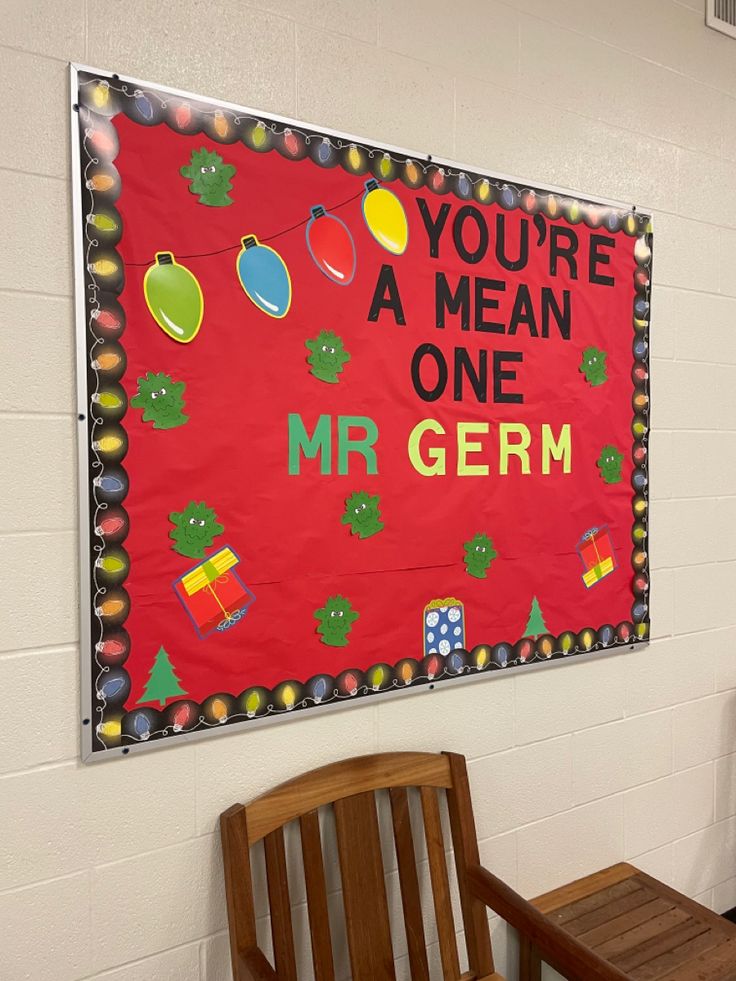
642, 927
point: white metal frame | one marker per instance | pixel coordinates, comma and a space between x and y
87, 729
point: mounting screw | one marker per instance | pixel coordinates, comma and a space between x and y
126, 750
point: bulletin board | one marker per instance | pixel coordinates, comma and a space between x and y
354, 421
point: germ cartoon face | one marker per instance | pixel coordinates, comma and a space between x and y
335, 620
593, 365
609, 463
210, 177
195, 528
161, 399
328, 356
479, 553
362, 514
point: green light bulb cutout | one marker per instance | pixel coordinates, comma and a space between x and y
174, 298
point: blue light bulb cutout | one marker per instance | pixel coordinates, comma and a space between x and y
264, 277
111, 687
142, 726
143, 104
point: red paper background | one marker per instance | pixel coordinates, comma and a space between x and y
245, 372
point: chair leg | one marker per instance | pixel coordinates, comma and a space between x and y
530, 963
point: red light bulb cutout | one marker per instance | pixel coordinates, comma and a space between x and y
331, 246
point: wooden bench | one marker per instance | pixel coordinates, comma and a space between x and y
639, 926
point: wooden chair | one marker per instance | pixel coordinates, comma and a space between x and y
559, 928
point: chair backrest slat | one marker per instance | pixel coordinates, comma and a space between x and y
364, 888
282, 930
238, 881
409, 882
440, 884
314, 877
465, 847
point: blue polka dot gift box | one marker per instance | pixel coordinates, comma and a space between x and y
443, 622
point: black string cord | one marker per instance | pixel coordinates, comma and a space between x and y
268, 238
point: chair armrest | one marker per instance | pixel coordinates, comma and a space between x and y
253, 966
559, 948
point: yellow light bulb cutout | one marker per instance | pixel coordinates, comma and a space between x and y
103, 267
101, 94
385, 217
258, 136
102, 222
110, 730
108, 400
354, 158
107, 444
110, 563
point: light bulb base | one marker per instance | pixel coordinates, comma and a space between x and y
164, 259
249, 241
317, 211
371, 184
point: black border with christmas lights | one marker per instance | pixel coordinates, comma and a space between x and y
101, 96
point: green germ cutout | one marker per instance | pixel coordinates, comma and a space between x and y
609, 464
210, 177
195, 528
336, 619
479, 553
161, 399
593, 365
328, 356
362, 514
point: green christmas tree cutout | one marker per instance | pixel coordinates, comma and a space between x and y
535, 625
162, 682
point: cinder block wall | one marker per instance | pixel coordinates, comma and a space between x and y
633, 756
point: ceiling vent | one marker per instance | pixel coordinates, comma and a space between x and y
721, 16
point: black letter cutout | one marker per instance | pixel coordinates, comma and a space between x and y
386, 296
